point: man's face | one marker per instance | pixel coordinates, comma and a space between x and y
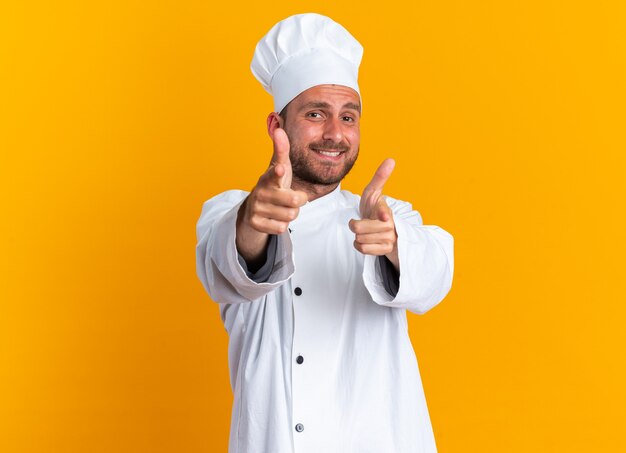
323, 126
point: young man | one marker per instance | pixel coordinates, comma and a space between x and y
313, 281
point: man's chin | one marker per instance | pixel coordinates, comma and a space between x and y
321, 179
318, 181
312, 171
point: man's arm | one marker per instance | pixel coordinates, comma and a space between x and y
235, 227
425, 259
218, 262
270, 206
421, 255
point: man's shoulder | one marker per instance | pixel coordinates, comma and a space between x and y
233, 197
222, 202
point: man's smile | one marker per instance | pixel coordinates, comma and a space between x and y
328, 153
333, 153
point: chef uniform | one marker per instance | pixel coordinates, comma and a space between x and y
319, 352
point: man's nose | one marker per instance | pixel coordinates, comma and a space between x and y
333, 130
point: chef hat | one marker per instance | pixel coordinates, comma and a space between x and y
303, 51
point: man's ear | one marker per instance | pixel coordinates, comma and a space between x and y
274, 121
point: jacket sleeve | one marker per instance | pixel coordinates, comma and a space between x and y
218, 262
426, 263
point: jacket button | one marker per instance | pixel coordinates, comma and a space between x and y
299, 427
299, 360
298, 291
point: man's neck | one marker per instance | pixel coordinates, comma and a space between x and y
314, 191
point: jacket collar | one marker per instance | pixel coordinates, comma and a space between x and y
322, 205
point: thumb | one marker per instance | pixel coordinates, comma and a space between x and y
383, 211
281, 148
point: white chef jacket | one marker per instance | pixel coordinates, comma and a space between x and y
319, 353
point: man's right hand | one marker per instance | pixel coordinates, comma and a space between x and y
270, 206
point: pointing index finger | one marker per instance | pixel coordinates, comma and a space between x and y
381, 176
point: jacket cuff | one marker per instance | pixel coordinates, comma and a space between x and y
425, 255
391, 277
264, 272
281, 267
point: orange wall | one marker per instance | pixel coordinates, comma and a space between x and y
118, 119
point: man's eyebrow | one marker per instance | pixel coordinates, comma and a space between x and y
315, 105
325, 105
353, 106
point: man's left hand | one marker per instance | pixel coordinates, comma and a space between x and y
375, 233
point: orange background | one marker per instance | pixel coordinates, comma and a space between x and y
119, 118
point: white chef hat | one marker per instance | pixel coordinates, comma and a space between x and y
303, 51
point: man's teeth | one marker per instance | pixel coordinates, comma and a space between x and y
326, 153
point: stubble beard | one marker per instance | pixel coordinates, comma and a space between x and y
307, 169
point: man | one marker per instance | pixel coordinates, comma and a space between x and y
314, 282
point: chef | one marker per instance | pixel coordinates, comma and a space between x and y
313, 281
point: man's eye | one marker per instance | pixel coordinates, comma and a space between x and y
348, 118
313, 115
